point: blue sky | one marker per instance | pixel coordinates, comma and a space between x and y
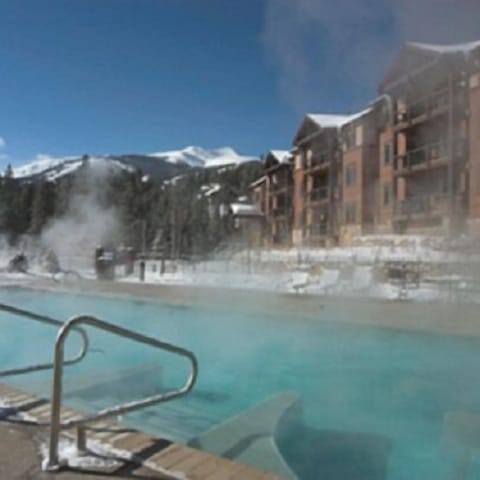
122, 76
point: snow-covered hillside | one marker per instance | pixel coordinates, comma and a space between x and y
200, 157
50, 168
157, 165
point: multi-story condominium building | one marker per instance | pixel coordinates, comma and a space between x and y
360, 139
410, 163
435, 172
273, 194
317, 180
336, 173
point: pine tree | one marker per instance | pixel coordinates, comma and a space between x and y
43, 206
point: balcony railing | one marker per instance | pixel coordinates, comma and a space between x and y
319, 159
282, 210
438, 203
281, 186
422, 156
318, 230
318, 194
423, 106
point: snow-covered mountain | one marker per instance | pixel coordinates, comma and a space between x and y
200, 157
160, 165
51, 169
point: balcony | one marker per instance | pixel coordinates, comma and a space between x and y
425, 206
421, 109
281, 212
316, 231
279, 187
318, 195
319, 160
421, 158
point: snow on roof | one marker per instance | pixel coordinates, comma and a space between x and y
244, 210
259, 181
336, 121
211, 189
283, 156
465, 48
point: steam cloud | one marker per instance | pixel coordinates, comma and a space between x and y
87, 222
316, 43
3, 144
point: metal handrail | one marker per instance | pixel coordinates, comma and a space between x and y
421, 155
56, 425
48, 321
424, 105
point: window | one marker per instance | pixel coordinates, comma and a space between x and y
351, 175
349, 137
350, 213
298, 161
388, 153
359, 136
387, 193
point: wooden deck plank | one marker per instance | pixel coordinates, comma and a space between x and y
172, 458
171, 448
135, 443
247, 472
225, 471
20, 399
192, 463
206, 468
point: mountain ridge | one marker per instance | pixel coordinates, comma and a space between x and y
158, 165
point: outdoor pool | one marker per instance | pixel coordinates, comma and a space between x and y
374, 400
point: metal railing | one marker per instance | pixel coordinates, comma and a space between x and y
55, 423
423, 106
422, 155
423, 205
48, 321
318, 194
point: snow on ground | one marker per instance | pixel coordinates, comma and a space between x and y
357, 271
96, 458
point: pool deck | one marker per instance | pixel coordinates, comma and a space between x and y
444, 318
150, 457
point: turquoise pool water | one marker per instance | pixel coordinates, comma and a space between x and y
374, 400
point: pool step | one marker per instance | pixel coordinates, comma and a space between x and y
175, 423
170, 461
250, 436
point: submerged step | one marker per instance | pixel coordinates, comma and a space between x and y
250, 436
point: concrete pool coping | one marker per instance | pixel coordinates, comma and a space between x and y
442, 318
147, 456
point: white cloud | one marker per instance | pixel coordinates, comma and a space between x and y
3, 143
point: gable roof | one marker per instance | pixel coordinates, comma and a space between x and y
459, 48
414, 55
282, 156
245, 210
337, 121
317, 122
